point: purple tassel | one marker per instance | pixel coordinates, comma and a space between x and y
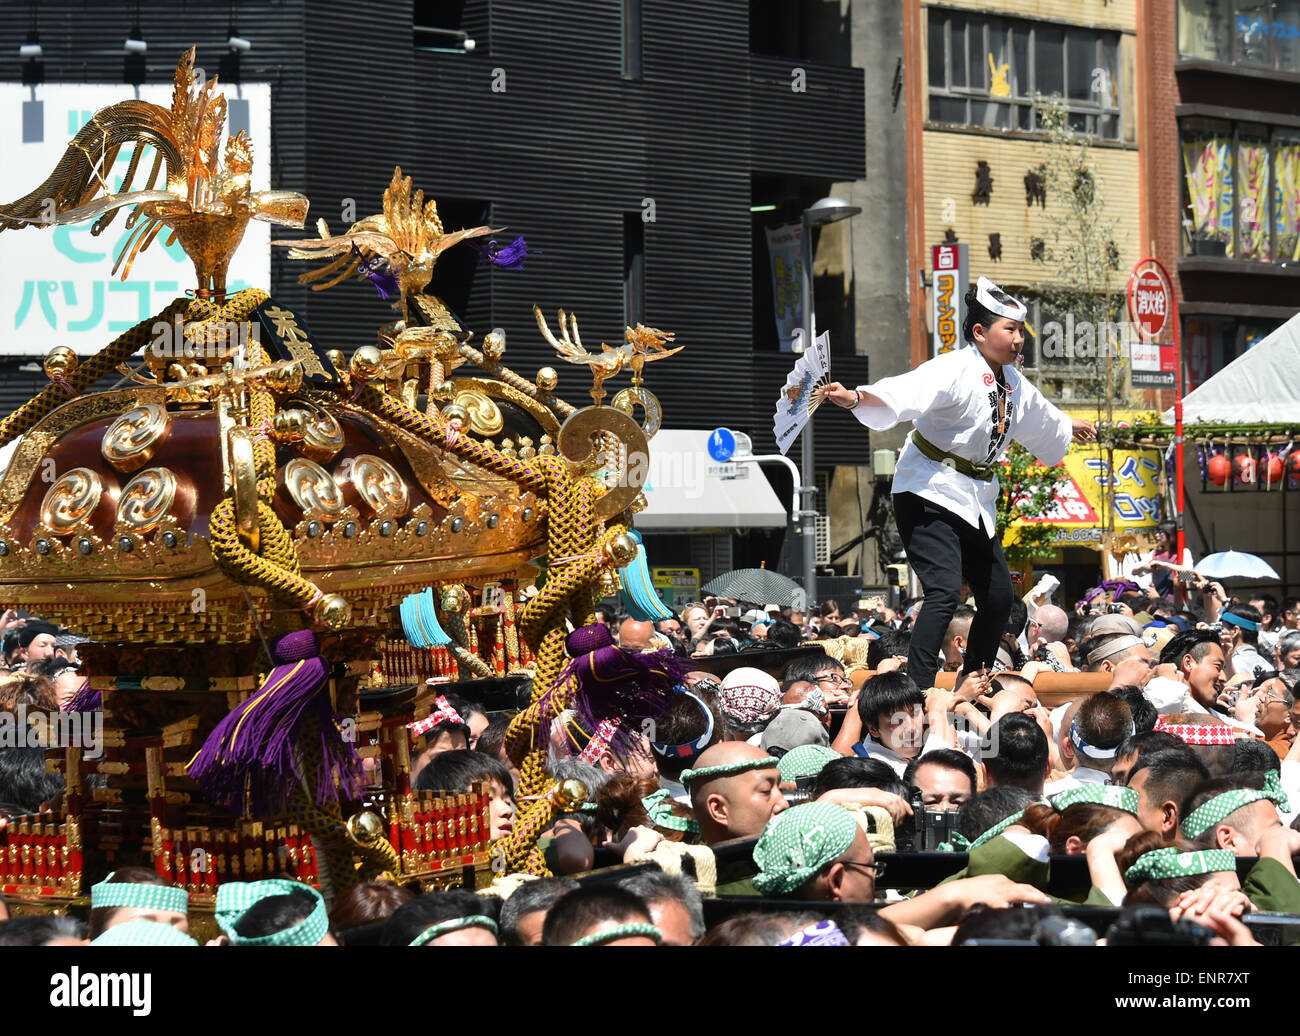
379, 273
509, 257
252, 750
85, 700
609, 683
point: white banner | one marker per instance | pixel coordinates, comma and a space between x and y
56, 283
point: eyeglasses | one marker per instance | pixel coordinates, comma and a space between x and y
838, 678
877, 868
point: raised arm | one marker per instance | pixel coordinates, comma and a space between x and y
904, 397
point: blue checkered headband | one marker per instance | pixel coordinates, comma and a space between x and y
110, 893
235, 897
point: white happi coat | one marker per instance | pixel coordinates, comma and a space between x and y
953, 401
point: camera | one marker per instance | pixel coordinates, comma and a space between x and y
1151, 926
932, 827
1114, 609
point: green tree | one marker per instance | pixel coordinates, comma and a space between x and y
1027, 490
1082, 277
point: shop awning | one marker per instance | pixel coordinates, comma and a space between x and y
687, 489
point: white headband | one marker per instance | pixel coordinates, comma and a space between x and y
1113, 647
1001, 304
1092, 751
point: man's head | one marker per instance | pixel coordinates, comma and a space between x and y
457, 771
735, 790
36, 641
43, 930
1288, 650
1049, 623
892, 710
675, 905
890, 644
137, 893
1132, 750
954, 639
1240, 626
749, 697
605, 914
1020, 755
945, 778
1198, 658
981, 813
1102, 722
634, 635
821, 671
1231, 812
815, 851
1161, 779
524, 913
453, 918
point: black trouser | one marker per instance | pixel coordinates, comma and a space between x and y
942, 548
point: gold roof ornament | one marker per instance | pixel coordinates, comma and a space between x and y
204, 201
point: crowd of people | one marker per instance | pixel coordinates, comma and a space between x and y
823, 762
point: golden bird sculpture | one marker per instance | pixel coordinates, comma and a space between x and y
642, 345
206, 202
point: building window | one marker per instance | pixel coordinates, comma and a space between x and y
632, 67
1211, 343
1260, 33
1241, 191
437, 26
991, 72
633, 269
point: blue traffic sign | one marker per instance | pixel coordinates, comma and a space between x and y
722, 444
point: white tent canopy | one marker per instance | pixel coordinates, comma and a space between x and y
1261, 386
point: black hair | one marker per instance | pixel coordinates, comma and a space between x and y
1251, 614
1196, 643
423, 912
23, 780
1251, 756
981, 812
274, 914
949, 758
38, 929
686, 722
1015, 923
493, 739
888, 645
855, 921
51, 667
1022, 753
1018, 618
977, 313
1169, 773
33, 630
808, 667
530, 898
829, 631
886, 694
1139, 706
783, 634
581, 910
655, 886
723, 646
1144, 742
100, 918
1103, 721
456, 770
855, 772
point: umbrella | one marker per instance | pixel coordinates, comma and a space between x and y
758, 585
1233, 564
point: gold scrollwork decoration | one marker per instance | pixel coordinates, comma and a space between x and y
131, 441
314, 490
323, 437
654, 414
379, 485
147, 499
485, 417
71, 500
578, 442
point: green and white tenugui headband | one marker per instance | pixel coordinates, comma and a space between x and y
622, 931
110, 893
728, 769
1101, 794
455, 924
1207, 814
661, 814
1160, 864
140, 932
961, 844
235, 897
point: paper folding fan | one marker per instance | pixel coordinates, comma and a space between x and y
798, 399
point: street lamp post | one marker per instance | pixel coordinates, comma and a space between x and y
828, 210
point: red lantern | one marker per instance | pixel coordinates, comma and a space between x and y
1245, 470
1219, 468
1293, 466
1271, 470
